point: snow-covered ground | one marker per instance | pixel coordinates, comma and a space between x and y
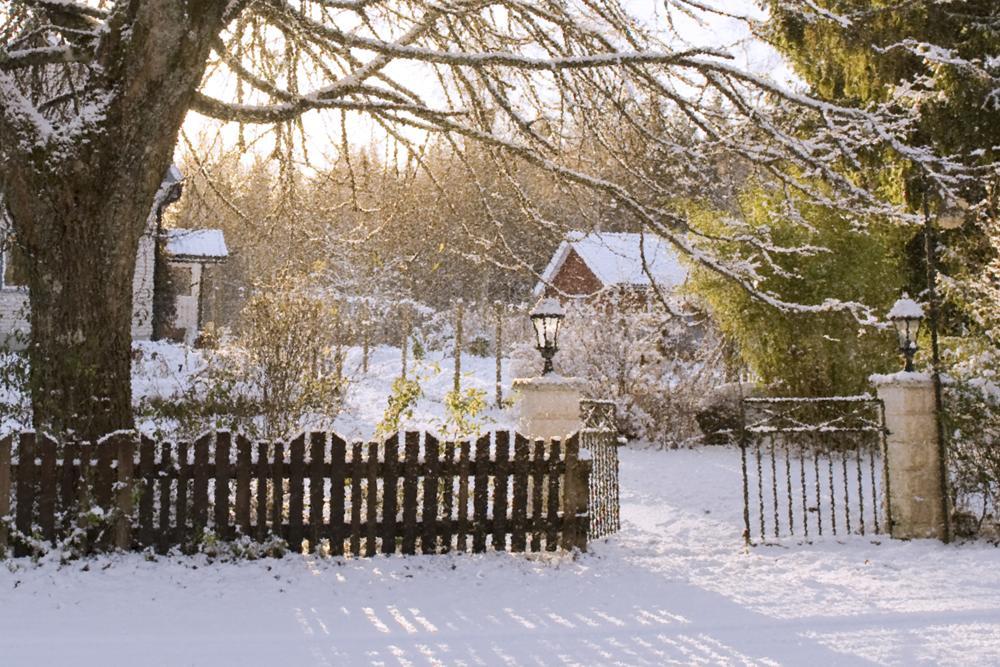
675, 586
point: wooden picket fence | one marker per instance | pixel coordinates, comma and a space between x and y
407, 494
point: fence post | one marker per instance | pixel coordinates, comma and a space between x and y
5, 446
916, 498
576, 497
124, 448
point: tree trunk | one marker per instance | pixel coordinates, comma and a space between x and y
79, 207
80, 283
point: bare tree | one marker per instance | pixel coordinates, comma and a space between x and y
93, 94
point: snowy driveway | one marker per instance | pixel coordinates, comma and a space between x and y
674, 587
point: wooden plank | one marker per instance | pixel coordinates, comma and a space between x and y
69, 478
390, 488
447, 474
262, 468
338, 465
125, 454
428, 539
410, 473
164, 531
223, 449
6, 447
243, 474
480, 511
500, 479
104, 479
317, 464
296, 499
199, 495
47, 483
357, 473
181, 530
464, 469
552, 519
519, 502
371, 502
24, 514
537, 479
146, 486
279, 528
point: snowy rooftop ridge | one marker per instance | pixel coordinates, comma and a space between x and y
206, 244
616, 258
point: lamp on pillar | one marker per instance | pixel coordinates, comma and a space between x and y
906, 315
546, 318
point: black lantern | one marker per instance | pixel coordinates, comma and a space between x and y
906, 315
546, 317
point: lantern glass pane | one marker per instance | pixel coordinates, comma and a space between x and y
538, 324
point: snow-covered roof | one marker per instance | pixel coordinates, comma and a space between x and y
615, 258
200, 244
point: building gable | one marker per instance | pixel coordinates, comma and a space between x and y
573, 277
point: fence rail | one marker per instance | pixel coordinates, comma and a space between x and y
407, 494
813, 467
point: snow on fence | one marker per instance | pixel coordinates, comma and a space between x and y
407, 494
813, 467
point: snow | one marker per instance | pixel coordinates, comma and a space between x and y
547, 308
207, 243
675, 585
902, 377
617, 259
906, 309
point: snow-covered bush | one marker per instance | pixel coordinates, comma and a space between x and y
282, 371
656, 367
972, 423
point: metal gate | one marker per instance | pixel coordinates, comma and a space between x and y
599, 438
813, 467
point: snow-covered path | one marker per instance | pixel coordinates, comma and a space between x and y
674, 587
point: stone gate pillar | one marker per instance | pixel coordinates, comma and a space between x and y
548, 406
916, 486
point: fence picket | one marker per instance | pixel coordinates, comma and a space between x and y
243, 454
296, 491
146, 486
223, 445
500, 473
390, 483
164, 531
338, 464
279, 528
357, 472
183, 479
262, 481
447, 472
480, 515
428, 540
519, 505
463, 496
412, 448
552, 519
46, 448
199, 493
317, 460
371, 502
537, 479
5, 488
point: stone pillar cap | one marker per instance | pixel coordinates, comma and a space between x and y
902, 377
549, 381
